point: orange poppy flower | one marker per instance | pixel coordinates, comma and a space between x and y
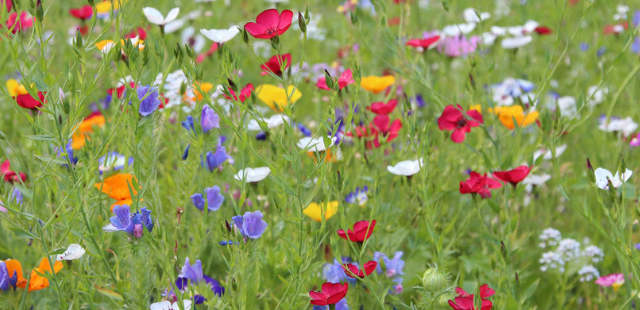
81, 135
37, 281
14, 267
117, 186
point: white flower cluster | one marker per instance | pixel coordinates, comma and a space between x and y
569, 255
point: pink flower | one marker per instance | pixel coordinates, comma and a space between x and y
458, 46
346, 78
453, 118
614, 280
269, 24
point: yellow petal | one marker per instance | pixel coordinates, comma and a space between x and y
316, 211
376, 84
277, 98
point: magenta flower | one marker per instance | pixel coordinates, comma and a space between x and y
614, 280
458, 46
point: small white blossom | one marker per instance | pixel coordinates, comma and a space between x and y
551, 261
549, 237
593, 252
588, 273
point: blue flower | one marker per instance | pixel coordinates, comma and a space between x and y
393, 268
188, 124
209, 119
113, 160
304, 130
358, 196
186, 152
214, 198
17, 195
4, 276
198, 201
131, 223
334, 273
214, 160
149, 100
251, 224
193, 274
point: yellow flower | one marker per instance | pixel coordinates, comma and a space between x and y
106, 45
106, 6
277, 98
376, 84
204, 86
316, 211
15, 88
506, 115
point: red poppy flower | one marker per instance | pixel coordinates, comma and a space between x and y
19, 24
513, 176
353, 271
275, 64
138, 32
464, 300
244, 93
423, 43
269, 24
9, 175
382, 108
330, 294
82, 13
542, 30
479, 184
346, 78
362, 230
381, 126
28, 102
209, 52
6, 3
456, 120
120, 89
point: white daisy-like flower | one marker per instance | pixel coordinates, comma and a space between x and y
271, 122
595, 95
625, 125
406, 167
220, 35
74, 251
459, 29
515, 42
547, 154
155, 17
603, 176
315, 144
251, 175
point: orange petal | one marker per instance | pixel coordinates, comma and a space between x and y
14, 266
117, 186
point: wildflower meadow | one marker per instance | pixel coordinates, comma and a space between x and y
319, 154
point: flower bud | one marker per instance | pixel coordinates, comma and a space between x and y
434, 280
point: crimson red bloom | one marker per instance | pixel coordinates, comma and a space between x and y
353, 271
423, 43
120, 89
464, 300
244, 93
479, 184
456, 120
9, 175
28, 102
6, 3
82, 13
513, 176
138, 32
383, 108
269, 24
381, 126
275, 64
362, 230
346, 78
330, 294
543, 30
19, 24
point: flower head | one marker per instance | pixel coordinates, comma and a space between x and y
330, 294
251, 224
269, 24
318, 211
513, 176
614, 280
277, 64
277, 98
479, 184
377, 84
456, 120
149, 99
465, 301
362, 230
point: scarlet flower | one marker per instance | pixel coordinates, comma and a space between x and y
120, 89
28, 102
274, 65
423, 43
244, 93
479, 184
382, 127
330, 294
353, 271
346, 78
383, 108
7, 3
138, 32
9, 175
542, 30
82, 13
362, 230
269, 24
464, 300
513, 176
456, 120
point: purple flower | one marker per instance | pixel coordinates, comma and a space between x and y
304, 130
584, 46
2, 208
214, 198
420, 101
340, 305
149, 100
458, 46
4, 276
636, 19
188, 124
251, 224
209, 119
193, 274
17, 195
186, 152
334, 273
261, 136
358, 196
601, 51
198, 201
635, 46
113, 160
214, 160
125, 221
67, 151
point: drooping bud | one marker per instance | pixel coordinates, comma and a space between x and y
434, 280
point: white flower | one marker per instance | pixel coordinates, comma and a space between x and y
74, 251
595, 95
488, 38
594, 252
625, 125
456, 30
315, 144
110, 228
588, 273
174, 25
516, 42
251, 175
189, 36
551, 260
473, 16
155, 17
567, 105
569, 249
406, 167
499, 31
272, 122
530, 26
603, 176
547, 155
536, 179
166, 305
220, 35
549, 237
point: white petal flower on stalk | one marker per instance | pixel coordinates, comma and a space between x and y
220, 35
473, 16
406, 167
603, 176
74, 251
271, 122
251, 175
515, 42
315, 144
155, 17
